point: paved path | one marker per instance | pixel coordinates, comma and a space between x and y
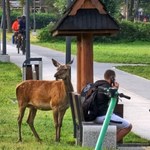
136, 109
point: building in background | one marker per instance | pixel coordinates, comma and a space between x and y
38, 5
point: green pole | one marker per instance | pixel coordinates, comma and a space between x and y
106, 122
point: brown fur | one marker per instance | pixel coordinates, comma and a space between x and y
45, 95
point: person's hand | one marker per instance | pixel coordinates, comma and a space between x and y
116, 85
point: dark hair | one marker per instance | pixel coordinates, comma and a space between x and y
109, 74
23, 17
18, 17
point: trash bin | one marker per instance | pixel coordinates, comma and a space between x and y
32, 69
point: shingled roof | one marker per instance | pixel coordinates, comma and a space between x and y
86, 16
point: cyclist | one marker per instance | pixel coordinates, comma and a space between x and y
15, 27
22, 27
22, 33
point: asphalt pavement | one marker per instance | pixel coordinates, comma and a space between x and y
136, 110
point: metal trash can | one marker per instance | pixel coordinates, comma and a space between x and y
32, 69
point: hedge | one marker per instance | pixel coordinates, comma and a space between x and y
42, 19
45, 34
129, 32
134, 31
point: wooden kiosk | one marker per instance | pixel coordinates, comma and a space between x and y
84, 19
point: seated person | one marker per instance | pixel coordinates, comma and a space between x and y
102, 103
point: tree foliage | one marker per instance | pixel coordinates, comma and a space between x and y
57, 7
134, 6
112, 6
145, 4
60, 5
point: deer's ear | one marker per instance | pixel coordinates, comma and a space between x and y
56, 64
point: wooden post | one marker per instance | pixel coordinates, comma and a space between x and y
84, 60
78, 63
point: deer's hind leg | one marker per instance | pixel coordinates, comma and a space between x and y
20, 117
30, 121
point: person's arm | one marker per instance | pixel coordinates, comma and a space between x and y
13, 26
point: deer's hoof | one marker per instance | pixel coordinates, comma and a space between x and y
57, 140
39, 140
19, 141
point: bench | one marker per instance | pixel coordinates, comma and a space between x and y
86, 133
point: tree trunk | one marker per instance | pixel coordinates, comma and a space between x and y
23, 4
8, 16
136, 10
131, 10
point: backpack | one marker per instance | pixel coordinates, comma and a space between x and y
88, 95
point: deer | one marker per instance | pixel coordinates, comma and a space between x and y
45, 95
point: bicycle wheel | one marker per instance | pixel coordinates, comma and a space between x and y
23, 45
18, 45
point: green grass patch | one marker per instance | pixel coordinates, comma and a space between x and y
133, 138
143, 71
10, 76
133, 52
137, 52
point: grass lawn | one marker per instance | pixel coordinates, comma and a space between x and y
134, 52
126, 53
143, 71
10, 76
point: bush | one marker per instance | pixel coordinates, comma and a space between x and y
134, 31
129, 31
14, 15
42, 19
144, 31
45, 34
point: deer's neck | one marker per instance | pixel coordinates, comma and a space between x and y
68, 85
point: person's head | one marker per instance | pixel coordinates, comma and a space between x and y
18, 18
110, 76
23, 18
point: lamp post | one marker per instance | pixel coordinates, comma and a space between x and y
4, 28
34, 21
1, 35
127, 3
68, 43
27, 29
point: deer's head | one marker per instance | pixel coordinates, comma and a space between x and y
63, 70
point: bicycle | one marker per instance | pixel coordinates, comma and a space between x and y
21, 43
113, 93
